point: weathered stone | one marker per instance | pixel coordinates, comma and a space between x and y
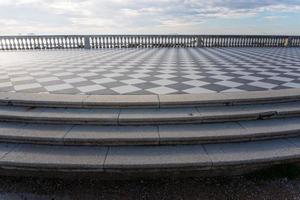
270, 151
142, 116
113, 135
55, 157
157, 157
200, 133
121, 101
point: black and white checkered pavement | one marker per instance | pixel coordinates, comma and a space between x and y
150, 71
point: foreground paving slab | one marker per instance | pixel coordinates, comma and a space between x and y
251, 152
209, 159
134, 158
38, 157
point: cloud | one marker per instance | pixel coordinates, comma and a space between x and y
275, 17
129, 16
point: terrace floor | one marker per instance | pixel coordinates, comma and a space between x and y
150, 71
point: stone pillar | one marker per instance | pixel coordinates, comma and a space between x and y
87, 44
199, 41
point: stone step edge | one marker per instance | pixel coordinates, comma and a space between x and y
148, 141
128, 121
153, 101
205, 160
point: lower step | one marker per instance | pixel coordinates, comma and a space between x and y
208, 158
87, 135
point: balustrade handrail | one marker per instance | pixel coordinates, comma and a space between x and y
173, 35
27, 42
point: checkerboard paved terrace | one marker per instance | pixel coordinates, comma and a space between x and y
149, 71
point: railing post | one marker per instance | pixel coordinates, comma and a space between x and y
87, 44
290, 39
199, 41
287, 42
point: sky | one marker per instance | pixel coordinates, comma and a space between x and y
149, 17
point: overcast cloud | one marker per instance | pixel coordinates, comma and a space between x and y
149, 16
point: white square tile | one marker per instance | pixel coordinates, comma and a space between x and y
88, 74
53, 69
5, 84
111, 75
76, 70
195, 83
198, 90
222, 77
97, 70
165, 76
75, 80
167, 71
244, 73
193, 76
119, 70
268, 73
58, 87
162, 90
133, 81
142, 71
125, 89
139, 75
18, 73
22, 78
90, 88
251, 78
63, 74
27, 86
229, 83
262, 85
164, 82
216, 72
284, 79
47, 79
4, 77
293, 74
103, 80
39, 73
292, 85
233, 90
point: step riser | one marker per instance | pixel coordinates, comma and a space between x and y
149, 142
132, 106
149, 121
148, 101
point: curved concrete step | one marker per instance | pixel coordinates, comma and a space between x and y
153, 101
88, 135
24, 159
148, 116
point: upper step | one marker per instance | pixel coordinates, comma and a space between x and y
149, 116
153, 101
